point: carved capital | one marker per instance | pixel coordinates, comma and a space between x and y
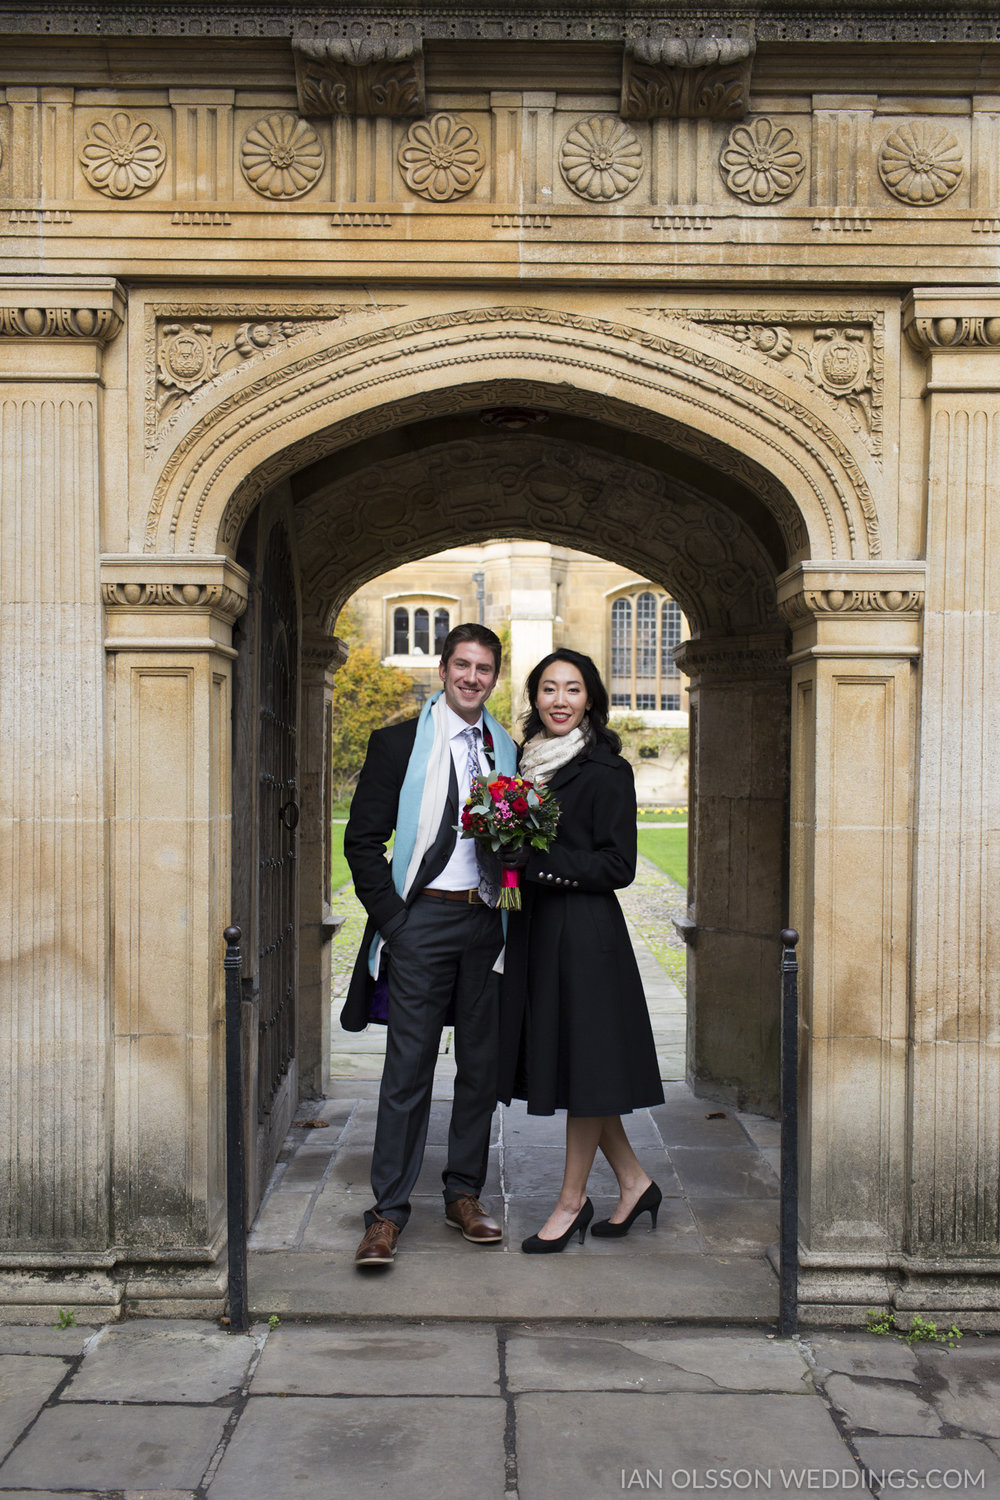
960, 319
372, 75
744, 658
172, 603
61, 307
862, 611
688, 78
322, 654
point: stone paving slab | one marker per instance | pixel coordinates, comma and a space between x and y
182, 1360
317, 1448
938, 1466
444, 1360
616, 1358
26, 1382
90, 1446
485, 1283
580, 1445
863, 1354
868, 1406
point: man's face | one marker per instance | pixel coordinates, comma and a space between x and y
468, 678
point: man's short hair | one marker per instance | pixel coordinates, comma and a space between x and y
478, 633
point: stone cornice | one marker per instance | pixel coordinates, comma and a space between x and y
582, 20
942, 318
61, 307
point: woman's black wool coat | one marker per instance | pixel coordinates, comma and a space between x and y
574, 1028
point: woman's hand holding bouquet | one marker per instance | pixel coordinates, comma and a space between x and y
510, 816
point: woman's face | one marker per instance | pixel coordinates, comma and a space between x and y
562, 699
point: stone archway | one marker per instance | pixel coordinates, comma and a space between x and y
753, 495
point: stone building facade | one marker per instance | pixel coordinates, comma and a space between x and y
543, 597
275, 280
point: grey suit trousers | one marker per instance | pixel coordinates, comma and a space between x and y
444, 951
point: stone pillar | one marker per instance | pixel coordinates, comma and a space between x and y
739, 784
169, 630
955, 1209
322, 656
855, 646
55, 1115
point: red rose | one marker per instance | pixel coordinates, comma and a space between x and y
466, 819
519, 805
496, 792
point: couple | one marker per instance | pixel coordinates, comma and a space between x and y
572, 1031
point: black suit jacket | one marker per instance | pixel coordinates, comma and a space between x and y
373, 818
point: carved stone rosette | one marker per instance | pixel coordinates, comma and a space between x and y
123, 157
921, 164
687, 78
360, 76
761, 162
601, 159
281, 156
441, 158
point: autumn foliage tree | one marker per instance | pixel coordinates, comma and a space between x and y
366, 696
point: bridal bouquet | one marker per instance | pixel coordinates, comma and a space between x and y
509, 816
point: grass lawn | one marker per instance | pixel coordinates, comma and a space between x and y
339, 871
667, 848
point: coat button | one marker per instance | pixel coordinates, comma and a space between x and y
576, 885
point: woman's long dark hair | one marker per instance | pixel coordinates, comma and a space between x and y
531, 724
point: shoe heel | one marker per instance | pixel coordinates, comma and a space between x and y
583, 1232
653, 1212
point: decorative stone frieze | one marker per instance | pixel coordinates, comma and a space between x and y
441, 158
56, 307
865, 610
840, 352
281, 156
172, 603
369, 75
687, 77
731, 658
186, 346
122, 156
762, 162
941, 320
921, 163
601, 159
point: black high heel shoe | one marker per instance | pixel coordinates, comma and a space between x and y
650, 1201
537, 1246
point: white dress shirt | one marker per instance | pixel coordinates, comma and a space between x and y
461, 873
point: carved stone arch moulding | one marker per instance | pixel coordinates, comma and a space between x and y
533, 485
319, 399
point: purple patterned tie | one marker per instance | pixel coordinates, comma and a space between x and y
488, 888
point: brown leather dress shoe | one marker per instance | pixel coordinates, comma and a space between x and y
378, 1246
469, 1215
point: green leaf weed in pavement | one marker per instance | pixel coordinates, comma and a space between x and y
921, 1330
67, 1318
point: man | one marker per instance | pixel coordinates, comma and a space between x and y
435, 935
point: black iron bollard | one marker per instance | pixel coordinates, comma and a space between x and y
236, 1177
788, 1305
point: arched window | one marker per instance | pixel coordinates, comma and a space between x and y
421, 631
441, 628
646, 628
400, 632
645, 639
621, 638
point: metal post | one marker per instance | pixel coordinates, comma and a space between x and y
236, 1177
788, 1305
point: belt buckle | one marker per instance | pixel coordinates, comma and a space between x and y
471, 897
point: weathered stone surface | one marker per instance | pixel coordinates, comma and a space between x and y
151, 1361
116, 1447
405, 1360
610, 1358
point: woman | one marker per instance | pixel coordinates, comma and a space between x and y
575, 1030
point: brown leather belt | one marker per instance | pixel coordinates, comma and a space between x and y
471, 898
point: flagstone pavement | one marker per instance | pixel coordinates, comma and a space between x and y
649, 1364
